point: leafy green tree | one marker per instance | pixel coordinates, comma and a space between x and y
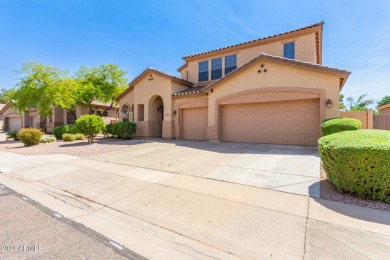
342, 106
384, 101
5, 95
90, 126
44, 86
102, 83
360, 104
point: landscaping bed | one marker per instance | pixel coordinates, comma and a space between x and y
78, 148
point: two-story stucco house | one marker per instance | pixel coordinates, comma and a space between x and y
269, 90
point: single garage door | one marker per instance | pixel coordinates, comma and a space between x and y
14, 123
195, 123
288, 122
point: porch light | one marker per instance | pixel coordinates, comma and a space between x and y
174, 113
328, 103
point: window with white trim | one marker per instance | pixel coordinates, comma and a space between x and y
203, 71
230, 63
216, 68
289, 50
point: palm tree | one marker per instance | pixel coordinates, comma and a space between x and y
360, 104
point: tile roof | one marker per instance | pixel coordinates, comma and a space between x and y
152, 70
384, 106
4, 107
189, 91
255, 41
182, 66
265, 56
98, 103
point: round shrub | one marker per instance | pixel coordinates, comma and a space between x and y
80, 136
122, 130
30, 136
358, 162
48, 139
62, 129
335, 125
127, 130
90, 126
68, 137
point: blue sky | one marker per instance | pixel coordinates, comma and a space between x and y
139, 34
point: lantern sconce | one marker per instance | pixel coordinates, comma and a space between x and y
174, 113
159, 108
328, 103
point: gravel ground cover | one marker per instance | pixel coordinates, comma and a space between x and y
78, 148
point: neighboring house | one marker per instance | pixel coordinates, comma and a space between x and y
270, 90
14, 121
385, 109
63, 117
1, 116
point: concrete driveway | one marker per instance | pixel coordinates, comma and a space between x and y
294, 169
182, 200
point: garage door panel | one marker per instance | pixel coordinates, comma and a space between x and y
290, 122
14, 123
195, 123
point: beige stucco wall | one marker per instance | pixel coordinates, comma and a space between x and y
278, 76
145, 92
128, 100
305, 50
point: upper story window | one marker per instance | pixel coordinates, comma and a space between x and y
289, 50
230, 63
203, 71
216, 68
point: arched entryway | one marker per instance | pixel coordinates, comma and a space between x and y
156, 115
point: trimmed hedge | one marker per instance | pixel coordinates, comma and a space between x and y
358, 162
62, 129
30, 136
335, 125
123, 130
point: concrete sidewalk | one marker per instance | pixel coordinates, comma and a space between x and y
162, 214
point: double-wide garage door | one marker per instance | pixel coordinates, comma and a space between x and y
289, 122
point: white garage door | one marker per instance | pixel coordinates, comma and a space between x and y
195, 123
287, 122
14, 123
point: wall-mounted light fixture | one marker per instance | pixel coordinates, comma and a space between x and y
328, 103
159, 108
174, 113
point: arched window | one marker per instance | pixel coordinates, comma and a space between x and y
125, 113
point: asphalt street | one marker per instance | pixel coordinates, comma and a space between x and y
31, 231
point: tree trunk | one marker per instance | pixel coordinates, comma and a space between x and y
105, 110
